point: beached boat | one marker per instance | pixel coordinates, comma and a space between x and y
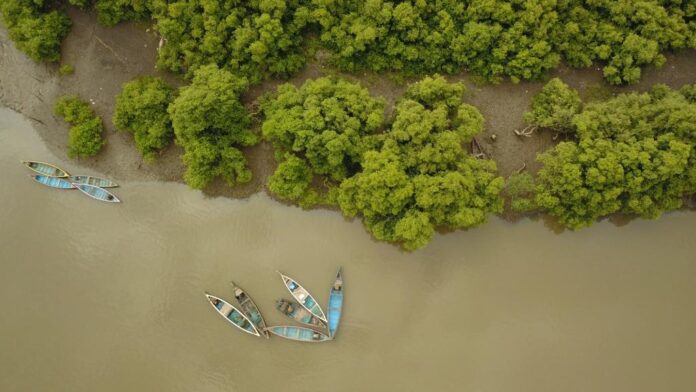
45, 169
96, 192
96, 181
303, 297
298, 313
250, 309
233, 315
335, 303
300, 334
53, 182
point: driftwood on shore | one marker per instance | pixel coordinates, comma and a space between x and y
527, 131
476, 150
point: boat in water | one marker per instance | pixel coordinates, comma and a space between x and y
96, 192
233, 315
90, 180
45, 169
53, 182
303, 297
301, 334
250, 309
335, 304
298, 313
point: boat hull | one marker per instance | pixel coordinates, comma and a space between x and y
298, 313
95, 181
300, 334
45, 169
53, 182
335, 304
250, 309
97, 193
303, 297
233, 315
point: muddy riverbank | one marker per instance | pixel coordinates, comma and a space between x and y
105, 58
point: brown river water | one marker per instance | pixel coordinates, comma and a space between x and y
98, 297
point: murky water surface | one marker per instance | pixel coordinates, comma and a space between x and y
98, 297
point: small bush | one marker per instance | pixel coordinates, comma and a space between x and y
66, 69
84, 139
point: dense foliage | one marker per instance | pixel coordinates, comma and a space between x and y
493, 38
554, 106
520, 39
210, 123
141, 108
84, 138
256, 38
318, 129
636, 154
35, 32
419, 177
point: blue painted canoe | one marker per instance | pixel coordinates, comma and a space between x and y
53, 182
233, 315
335, 303
250, 309
300, 334
45, 169
298, 313
96, 192
96, 181
303, 297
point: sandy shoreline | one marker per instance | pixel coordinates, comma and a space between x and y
105, 58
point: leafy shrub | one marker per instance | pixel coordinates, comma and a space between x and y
35, 33
84, 138
324, 125
141, 108
419, 178
554, 107
210, 123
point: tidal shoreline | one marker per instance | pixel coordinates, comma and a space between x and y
104, 58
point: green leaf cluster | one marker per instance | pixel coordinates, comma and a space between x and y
418, 177
85, 135
319, 129
554, 107
636, 154
36, 32
141, 108
210, 123
255, 39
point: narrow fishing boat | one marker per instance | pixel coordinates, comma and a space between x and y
250, 309
296, 312
96, 192
300, 334
335, 303
45, 168
53, 182
96, 181
303, 297
233, 315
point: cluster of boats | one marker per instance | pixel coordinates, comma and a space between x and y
304, 309
56, 177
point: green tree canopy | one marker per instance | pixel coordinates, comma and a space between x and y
35, 32
210, 123
85, 135
324, 124
419, 177
141, 108
636, 154
554, 106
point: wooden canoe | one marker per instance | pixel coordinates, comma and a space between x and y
96, 181
301, 334
45, 169
250, 309
96, 192
298, 313
233, 315
303, 297
335, 304
53, 182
